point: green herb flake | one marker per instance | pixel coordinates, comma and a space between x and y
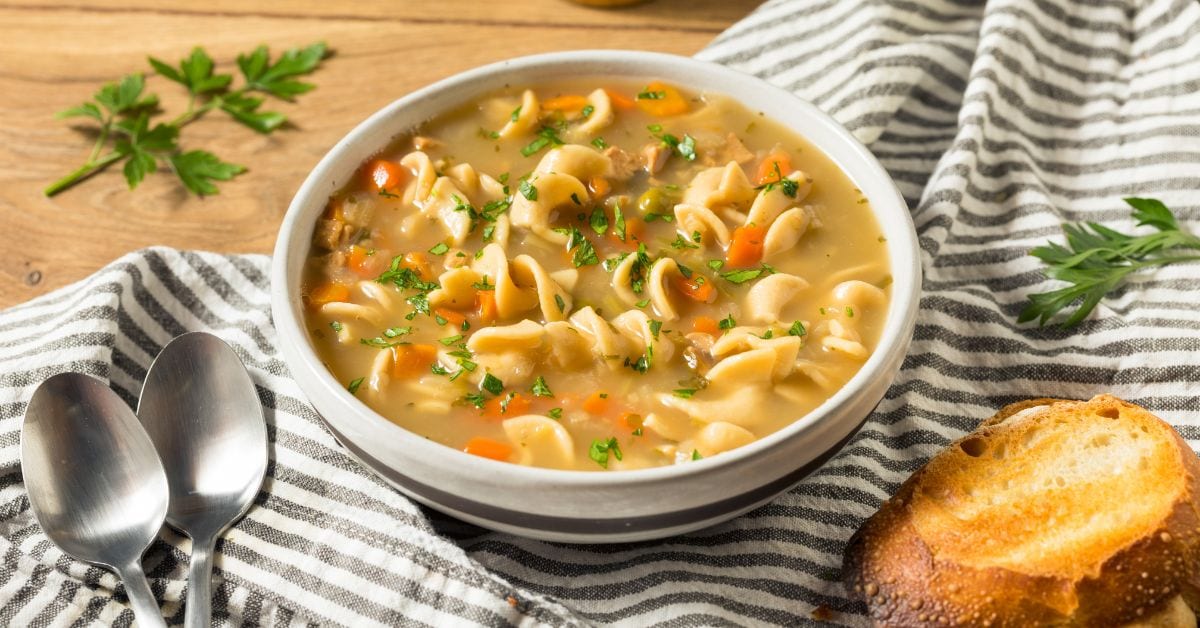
727, 323
336, 326
600, 143
439, 249
696, 454
353, 386
742, 276
687, 148
716, 264
555, 413
598, 220
540, 389
392, 332
558, 301
492, 384
450, 340
684, 393
587, 111
516, 113
680, 243
647, 94
655, 327
600, 451
528, 190
619, 222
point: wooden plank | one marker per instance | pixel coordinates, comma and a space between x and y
52, 242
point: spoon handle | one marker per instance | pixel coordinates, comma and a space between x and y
145, 607
199, 598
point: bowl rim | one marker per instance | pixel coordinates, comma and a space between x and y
904, 256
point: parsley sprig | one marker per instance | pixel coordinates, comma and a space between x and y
124, 110
1097, 259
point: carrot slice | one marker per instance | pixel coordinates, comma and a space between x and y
488, 448
660, 99
599, 186
619, 100
596, 403
496, 408
706, 325
776, 165
695, 290
453, 318
746, 248
328, 292
485, 303
409, 361
570, 103
364, 262
383, 175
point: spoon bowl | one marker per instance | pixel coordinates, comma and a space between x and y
201, 411
95, 482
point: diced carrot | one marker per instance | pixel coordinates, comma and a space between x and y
599, 186
384, 175
365, 262
569, 103
695, 289
767, 171
706, 325
662, 100
453, 318
596, 403
746, 247
496, 408
418, 263
328, 292
619, 100
409, 361
485, 303
488, 448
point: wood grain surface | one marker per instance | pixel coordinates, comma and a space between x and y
55, 54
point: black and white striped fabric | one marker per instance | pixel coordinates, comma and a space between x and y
999, 121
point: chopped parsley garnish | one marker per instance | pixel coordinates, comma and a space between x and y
558, 300
488, 232
767, 335
655, 327
475, 399
404, 278
420, 303
516, 113
483, 284
527, 190
353, 387
392, 332
384, 193
545, 137
584, 252
696, 454
437, 318
540, 389
380, 342
746, 274
601, 449
647, 94
849, 312
638, 432
599, 220
438, 369
439, 249
643, 303
797, 329
554, 413
449, 340
336, 326
788, 186
716, 264
619, 222
652, 216
687, 148
492, 384
587, 111
681, 243
654, 128
600, 143
684, 393
727, 323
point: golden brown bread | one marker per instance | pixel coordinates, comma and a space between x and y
1053, 512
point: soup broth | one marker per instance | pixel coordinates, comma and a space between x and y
597, 275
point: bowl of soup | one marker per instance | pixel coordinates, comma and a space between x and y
596, 296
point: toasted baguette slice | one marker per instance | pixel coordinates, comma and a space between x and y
1052, 512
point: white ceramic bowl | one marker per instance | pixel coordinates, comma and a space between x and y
578, 506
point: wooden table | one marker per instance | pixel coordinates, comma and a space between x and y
55, 54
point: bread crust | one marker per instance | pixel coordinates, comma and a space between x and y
894, 571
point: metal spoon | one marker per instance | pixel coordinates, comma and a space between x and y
201, 411
94, 480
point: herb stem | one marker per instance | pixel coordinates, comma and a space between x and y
105, 127
91, 167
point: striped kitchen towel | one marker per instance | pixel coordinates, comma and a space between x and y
999, 121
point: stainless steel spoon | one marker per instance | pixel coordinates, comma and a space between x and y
201, 411
94, 480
